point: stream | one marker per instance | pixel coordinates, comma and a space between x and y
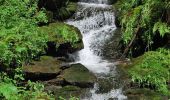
96, 21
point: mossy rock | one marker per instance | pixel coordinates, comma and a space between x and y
44, 69
144, 94
63, 38
79, 75
67, 92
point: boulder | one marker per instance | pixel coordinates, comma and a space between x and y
78, 75
44, 69
65, 92
63, 39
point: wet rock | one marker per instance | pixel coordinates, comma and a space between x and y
78, 75
65, 92
144, 94
63, 39
55, 82
112, 48
105, 85
44, 69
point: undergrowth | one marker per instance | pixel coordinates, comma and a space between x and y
9, 90
20, 42
20, 39
143, 18
152, 70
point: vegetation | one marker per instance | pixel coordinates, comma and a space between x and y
33, 91
152, 70
142, 20
21, 41
68, 11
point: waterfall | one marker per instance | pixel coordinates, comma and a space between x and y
96, 21
95, 1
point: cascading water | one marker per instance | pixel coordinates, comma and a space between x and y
95, 1
95, 19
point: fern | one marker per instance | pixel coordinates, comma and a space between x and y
152, 69
20, 38
8, 90
163, 28
144, 14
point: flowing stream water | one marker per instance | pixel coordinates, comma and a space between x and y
96, 21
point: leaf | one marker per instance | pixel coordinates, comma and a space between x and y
8, 90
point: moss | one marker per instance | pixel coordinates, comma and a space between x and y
46, 65
68, 91
61, 33
70, 88
78, 73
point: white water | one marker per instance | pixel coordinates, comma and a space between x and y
95, 1
95, 19
115, 93
96, 24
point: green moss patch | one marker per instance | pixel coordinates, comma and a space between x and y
78, 75
61, 33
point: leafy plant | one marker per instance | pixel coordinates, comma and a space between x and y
10, 91
142, 19
163, 28
20, 39
153, 68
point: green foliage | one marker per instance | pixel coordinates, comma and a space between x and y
68, 33
143, 14
163, 28
10, 91
20, 39
153, 68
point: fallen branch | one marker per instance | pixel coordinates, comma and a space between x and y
131, 42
